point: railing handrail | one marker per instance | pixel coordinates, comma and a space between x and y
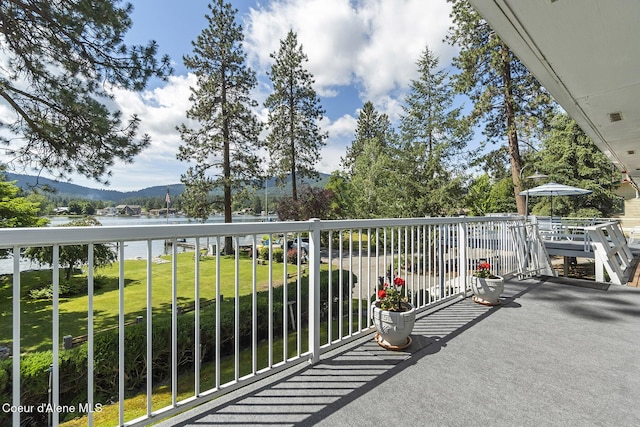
42, 236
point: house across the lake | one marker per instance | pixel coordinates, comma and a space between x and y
129, 209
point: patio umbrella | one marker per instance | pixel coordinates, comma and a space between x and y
554, 189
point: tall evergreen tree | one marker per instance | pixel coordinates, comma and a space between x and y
197, 200
373, 192
506, 96
58, 59
223, 146
432, 133
570, 157
368, 166
294, 138
371, 125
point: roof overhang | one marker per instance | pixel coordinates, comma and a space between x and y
587, 55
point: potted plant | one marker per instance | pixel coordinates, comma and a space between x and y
486, 287
392, 315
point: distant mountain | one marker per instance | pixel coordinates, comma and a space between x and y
78, 191
66, 188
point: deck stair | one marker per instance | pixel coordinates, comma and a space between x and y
610, 251
602, 241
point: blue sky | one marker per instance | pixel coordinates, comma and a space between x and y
358, 50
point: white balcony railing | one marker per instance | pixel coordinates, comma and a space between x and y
242, 321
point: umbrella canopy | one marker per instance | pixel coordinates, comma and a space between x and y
554, 189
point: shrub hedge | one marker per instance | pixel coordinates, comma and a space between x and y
35, 367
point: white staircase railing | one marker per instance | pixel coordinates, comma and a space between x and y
531, 254
611, 251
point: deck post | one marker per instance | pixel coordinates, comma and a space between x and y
314, 290
463, 261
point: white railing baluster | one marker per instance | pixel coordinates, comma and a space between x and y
369, 290
218, 309
174, 322
462, 258
285, 281
254, 306
360, 278
196, 320
236, 312
330, 292
55, 315
149, 327
90, 349
350, 301
298, 329
15, 305
314, 291
121, 346
270, 311
340, 286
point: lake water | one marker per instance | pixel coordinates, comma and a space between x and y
132, 250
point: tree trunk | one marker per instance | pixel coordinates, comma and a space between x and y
292, 142
226, 169
512, 134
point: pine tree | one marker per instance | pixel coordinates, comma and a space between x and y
506, 96
373, 190
570, 157
225, 142
58, 59
371, 125
432, 134
197, 200
294, 139
368, 166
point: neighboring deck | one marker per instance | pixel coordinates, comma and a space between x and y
551, 354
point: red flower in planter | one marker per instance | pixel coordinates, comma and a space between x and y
482, 270
391, 296
399, 281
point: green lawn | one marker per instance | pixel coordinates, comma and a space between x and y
36, 316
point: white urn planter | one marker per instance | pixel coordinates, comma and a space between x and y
487, 290
394, 327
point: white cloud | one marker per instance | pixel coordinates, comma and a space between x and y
341, 133
373, 43
160, 110
344, 126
